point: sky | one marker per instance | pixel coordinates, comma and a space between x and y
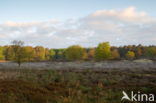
61, 23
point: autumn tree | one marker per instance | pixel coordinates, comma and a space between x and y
91, 53
115, 54
18, 52
130, 55
138, 53
8, 52
1, 53
29, 53
103, 51
47, 54
75, 52
39, 53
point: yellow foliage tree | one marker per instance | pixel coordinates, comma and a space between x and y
29, 53
39, 53
130, 55
91, 53
115, 54
75, 52
103, 51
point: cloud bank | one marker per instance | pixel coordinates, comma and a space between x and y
119, 27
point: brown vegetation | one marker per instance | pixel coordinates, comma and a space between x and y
72, 86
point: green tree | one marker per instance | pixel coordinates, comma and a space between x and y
1, 53
8, 51
151, 52
103, 51
51, 54
18, 52
75, 52
130, 55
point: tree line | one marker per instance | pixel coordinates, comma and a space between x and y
17, 52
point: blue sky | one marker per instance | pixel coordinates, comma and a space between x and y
61, 23
34, 10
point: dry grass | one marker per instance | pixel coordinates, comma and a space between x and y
2, 61
72, 86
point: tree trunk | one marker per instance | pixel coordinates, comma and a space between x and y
19, 64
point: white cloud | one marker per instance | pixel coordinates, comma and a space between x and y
129, 14
119, 27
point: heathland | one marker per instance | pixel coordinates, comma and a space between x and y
75, 74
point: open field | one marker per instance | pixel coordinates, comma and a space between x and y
122, 65
73, 85
77, 51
